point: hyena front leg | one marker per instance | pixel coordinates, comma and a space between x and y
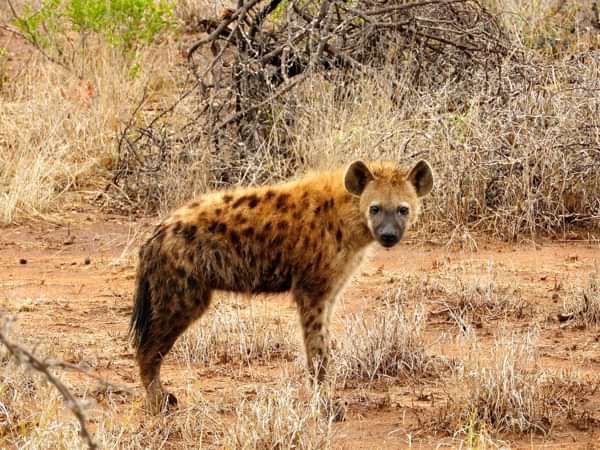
313, 308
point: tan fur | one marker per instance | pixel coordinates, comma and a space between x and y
305, 236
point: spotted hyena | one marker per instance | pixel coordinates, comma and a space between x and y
305, 236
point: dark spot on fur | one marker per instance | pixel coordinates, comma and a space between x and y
253, 200
313, 225
319, 310
239, 218
297, 215
331, 202
282, 225
239, 201
306, 242
192, 283
218, 211
338, 235
221, 227
189, 233
322, 233
277, 241
251, 258
260, 237
234, 238
330, 226
309, 319
177, 227
248, 232
281, 203
213, 226
194, 204
269, 195
180, 272
318, 210
318, 296
227, 198
317, 326
268, 227
162, 260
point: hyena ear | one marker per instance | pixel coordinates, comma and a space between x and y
421, 177
357, 177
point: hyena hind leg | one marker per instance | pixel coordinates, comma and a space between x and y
168, 319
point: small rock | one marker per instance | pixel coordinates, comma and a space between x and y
22, 261
87, 260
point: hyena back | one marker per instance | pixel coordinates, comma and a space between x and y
305, 236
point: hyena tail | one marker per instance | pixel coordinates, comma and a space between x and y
141, 317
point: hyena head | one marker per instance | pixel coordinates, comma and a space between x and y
389, 196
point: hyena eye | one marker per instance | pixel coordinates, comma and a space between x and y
374, 210
403, 210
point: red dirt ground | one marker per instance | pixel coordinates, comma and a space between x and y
71, 285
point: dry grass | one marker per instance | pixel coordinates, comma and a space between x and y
467, 302
583, 303
385, 345
508, 391
32, 415
473, 303
279, 419
238, 331
64, 139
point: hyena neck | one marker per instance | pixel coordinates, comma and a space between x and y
357, 235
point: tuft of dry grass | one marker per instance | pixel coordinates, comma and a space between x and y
238, 331
503, 393
387, 344
479, 301
464, 301
279, 419
507, 390
583, 303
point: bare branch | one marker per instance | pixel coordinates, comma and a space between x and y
25, 357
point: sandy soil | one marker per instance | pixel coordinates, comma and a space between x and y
70, 286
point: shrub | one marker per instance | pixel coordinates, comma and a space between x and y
125, 24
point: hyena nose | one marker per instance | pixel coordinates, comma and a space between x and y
389, 239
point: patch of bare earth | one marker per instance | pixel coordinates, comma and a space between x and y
69, 289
